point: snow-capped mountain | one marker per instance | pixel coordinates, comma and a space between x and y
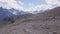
8, 16
10, 12
17, 12
5, 13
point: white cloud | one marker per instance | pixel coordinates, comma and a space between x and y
53, 2
10, 4
39, 8
50, 5
21, 3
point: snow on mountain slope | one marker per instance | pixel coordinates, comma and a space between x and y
10, 12
4, 13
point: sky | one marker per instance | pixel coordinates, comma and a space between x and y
29, 5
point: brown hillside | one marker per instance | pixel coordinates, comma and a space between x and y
49, 14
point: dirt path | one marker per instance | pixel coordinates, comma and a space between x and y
33, 27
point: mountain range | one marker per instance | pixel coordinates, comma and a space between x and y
11, 15
8, 16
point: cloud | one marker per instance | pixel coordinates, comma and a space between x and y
39, 8
10, 4
19, 2
53, 2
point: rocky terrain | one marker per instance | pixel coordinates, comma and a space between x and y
47, 22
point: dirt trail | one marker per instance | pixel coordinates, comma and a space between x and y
34, 27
